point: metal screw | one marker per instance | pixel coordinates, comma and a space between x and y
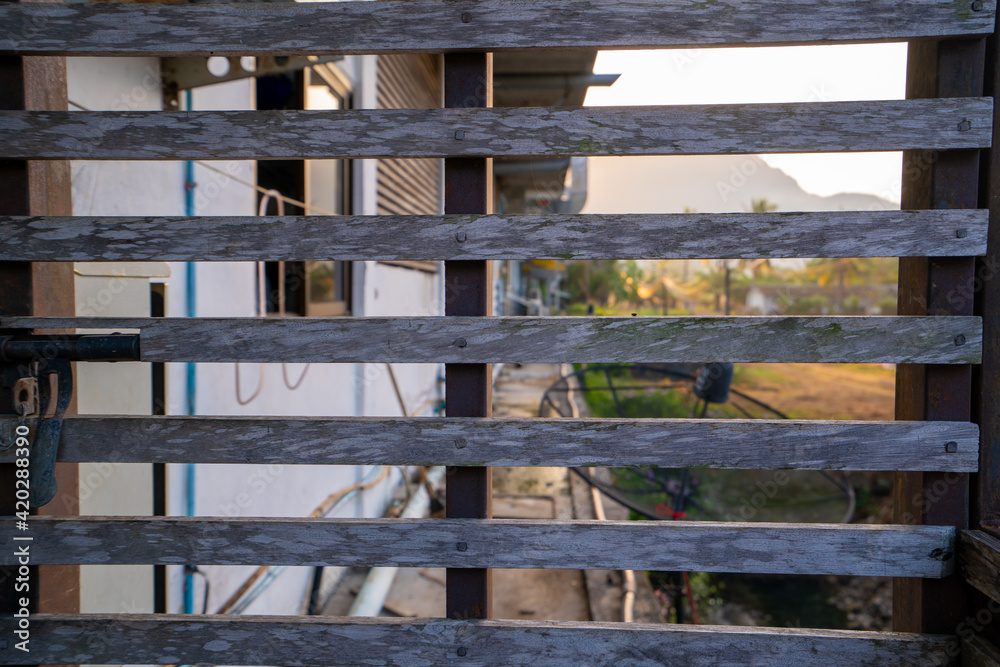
960, 339
951, 447
461, 342
460, 134
460, 237
462, 546
467, 17
462, 650
460, 443
961, 233
965, 125
977, 6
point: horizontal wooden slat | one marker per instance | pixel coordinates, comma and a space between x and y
486, 25
310, 640
930, 340
862, 550
726, 443
949, 232
510, 132
976, 651
979, 561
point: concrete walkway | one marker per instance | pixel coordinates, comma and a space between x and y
523, 493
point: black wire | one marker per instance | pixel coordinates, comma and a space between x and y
741, 409
193, 569
677, 375
844, 486
615, 495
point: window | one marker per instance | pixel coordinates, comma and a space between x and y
317, 288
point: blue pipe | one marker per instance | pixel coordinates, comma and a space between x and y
190, 297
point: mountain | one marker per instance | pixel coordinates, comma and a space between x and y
705, 183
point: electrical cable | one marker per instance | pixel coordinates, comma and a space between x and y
298, 383
256, 393
193, 569
309, 209
332, 502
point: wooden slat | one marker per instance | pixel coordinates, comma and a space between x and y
509, 132
458, 339
977, 652
668, 236
861, 550
303, 641
979, 561
726, 443
487, 25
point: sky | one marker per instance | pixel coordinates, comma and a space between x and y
772, 74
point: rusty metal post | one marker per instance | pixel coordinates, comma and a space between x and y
937, 286
468, 82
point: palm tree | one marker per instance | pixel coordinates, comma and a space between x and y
761, 205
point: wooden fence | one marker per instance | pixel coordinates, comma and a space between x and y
944, 330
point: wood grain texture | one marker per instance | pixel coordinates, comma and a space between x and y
309, 640
861, 550
509, 132
487, 25
456, 339
978, 652
428, 237
979, 561
726, 443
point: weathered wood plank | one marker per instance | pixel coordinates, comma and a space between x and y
977, 652
475, 237
512, 132
486, 25
310, 640
979, 561
936, 340
862, 550
725, 443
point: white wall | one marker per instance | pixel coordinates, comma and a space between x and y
226, 289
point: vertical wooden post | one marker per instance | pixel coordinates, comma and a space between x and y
37, 188
986, 411
936, 286
468, 82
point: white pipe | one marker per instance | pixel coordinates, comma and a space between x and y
375, 589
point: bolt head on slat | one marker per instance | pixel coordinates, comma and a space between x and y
959, 340
951, 447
